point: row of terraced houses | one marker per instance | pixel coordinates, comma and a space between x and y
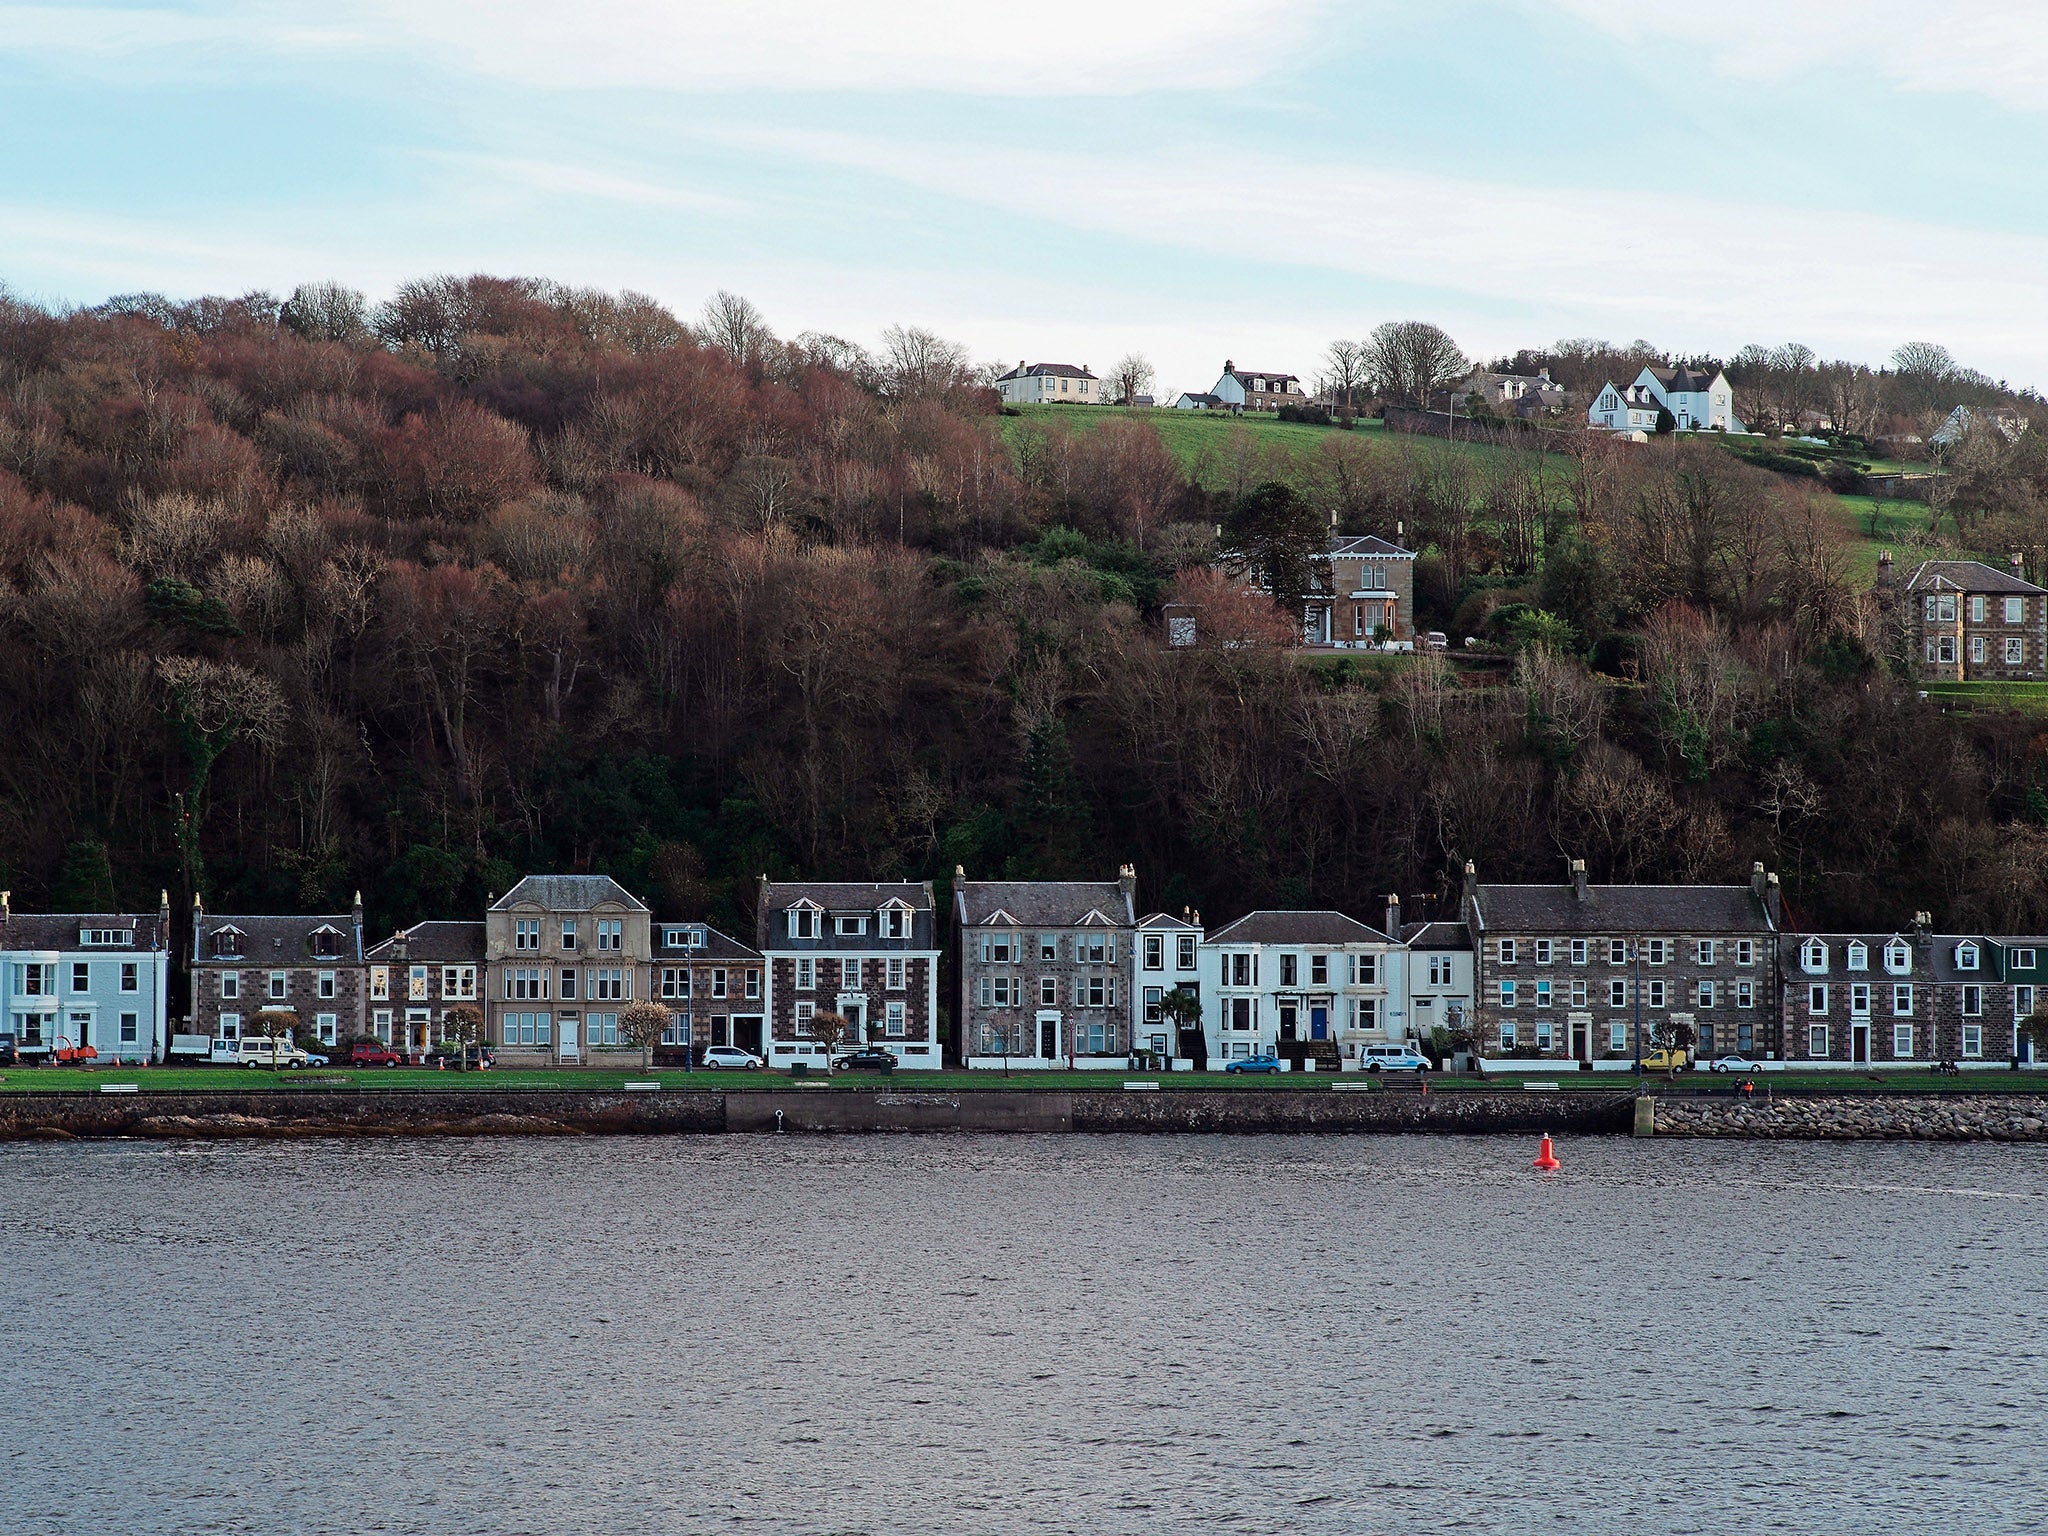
1041, 974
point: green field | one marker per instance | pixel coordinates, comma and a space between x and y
2025, 698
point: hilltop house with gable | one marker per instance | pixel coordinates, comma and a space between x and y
1246, 389
1697, 401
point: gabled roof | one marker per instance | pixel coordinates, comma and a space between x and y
568, 893
1370, 544
1682, 380
59, 930
1297, 928
1616, 909
1968, 576
438, 941
1242, 374
1201, 399
845, 895
716, 945
1791, 962
275, 940
1168, 920
1042, 903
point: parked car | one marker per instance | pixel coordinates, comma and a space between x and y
868, 1059
1260, 1063
1668, 1060
225, 1053
1736, 1064
10, 1051
730, 1058
460, 1058
370, 1053
315, 1059
260, 1051
1375, 1057
1436, 640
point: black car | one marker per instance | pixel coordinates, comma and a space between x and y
869, 1060
10, 1053
456, 1059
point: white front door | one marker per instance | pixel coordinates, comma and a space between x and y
570, 1051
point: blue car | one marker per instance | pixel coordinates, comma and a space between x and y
1253, 1064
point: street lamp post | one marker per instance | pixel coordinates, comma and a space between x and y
1639, 1007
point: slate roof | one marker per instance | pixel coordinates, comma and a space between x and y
1296, 928
1684, 381
1792, 963
1370, 544
1942, 959
1244, 374
846, 895
1042, 903
438, 941
1201, 399
274, 940
1438, 935
716, 945
59, 931
1677, 909
1968, 576
1167, 920
1046, 370
568, 893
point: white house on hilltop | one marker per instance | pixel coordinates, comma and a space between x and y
1039, 383
1246, 389
1698, 402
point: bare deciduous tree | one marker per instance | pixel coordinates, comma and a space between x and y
732, 324
1131, 377
1346, 374
918, 365
643, 1024
1410, 360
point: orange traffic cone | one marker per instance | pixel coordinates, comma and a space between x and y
1546, 1157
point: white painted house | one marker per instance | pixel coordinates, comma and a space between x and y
1698, 402
1308, 986
1050, 383
1246, 389
86, 979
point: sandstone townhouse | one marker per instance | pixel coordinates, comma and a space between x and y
565, 954
1587, 973
1045, 970
715, 990
868, 952
1966, 621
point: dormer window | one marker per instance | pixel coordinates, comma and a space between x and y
1966, 957
803, 922
895, 921
1814, 956
227, 943
325, 943
1859, 957
850, 925
1898, 959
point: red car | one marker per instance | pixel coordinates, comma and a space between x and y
368, 1053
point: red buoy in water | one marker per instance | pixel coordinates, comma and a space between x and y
1546, 1157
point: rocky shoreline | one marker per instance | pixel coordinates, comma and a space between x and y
1922, 1118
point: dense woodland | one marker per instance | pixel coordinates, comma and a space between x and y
309, 596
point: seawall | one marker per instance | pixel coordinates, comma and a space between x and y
436, 1112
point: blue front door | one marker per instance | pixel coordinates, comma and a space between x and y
1319, 1023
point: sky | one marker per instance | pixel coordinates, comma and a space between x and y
1194, 180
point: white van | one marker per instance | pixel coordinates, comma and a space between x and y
1376, 1057
257, 1051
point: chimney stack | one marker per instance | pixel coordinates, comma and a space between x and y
1127, 882
1774, 900
6, 905
1579, 880
1471, 896
1923, 926
1756, 879
2019, 566
1394, 917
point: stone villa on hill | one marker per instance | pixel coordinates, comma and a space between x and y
1049, 383
1367, 597
1967, 621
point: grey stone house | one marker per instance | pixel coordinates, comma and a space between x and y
1581, 972
565, 955
310, 967
1967, 621
417, 975
1916, 998
867, 951
1044, 970
715, 990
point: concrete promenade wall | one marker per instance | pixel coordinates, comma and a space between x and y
449, 1112
438, 1112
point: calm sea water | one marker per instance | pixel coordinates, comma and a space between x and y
1025, 1334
